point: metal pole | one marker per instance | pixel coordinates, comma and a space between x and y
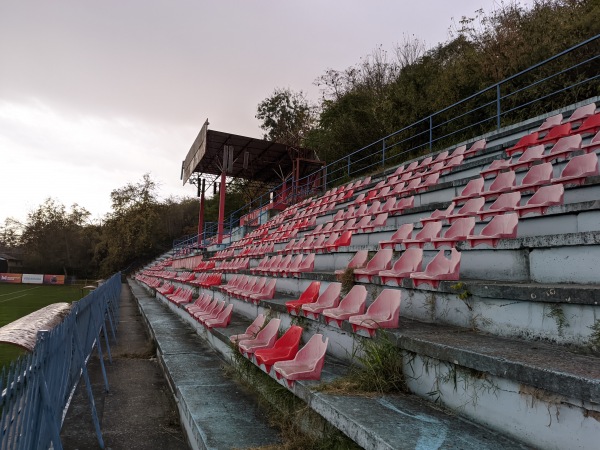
498, 108
383, 154
201, 188
430, 133
221, 223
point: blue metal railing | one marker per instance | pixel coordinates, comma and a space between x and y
36, 388
484, 111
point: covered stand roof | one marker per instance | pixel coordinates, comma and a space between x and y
249, 158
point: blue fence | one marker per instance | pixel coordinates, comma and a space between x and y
36, 389
565, 78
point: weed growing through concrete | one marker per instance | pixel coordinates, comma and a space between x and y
377, 368
594, 340
557, 313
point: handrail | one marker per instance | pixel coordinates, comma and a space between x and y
423, 132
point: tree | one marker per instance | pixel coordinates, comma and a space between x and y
286, 117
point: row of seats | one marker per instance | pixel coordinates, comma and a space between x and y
210, 313
285, 266
253, 289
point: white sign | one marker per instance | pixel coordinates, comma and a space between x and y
30, 278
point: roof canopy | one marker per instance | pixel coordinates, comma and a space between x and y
243, 157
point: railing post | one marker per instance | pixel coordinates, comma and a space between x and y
383, 154
430, 133
498, 107
348, 165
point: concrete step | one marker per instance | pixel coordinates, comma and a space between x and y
215, 411
399, 421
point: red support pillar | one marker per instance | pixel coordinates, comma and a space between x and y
221, 209
201, 213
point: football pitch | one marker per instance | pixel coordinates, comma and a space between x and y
18, 300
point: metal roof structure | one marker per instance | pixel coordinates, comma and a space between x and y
243, 157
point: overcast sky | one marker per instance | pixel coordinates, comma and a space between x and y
95, 94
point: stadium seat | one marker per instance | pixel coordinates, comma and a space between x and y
373, 208
438, 214
412, 185
506, 202
352, 304
496, 167
358, 212
550, 122
578, 169
294, 264
389, 204
528, 157
384, 312
381, 261
591, 125
288, 248
344, 240
430, 180
504, 182
358, 260
330, 298
458, 231
429, 231
563, 148
500, 227
404, 203
475, 148
535, 177
266, 293
410, 261
284, 349
474, 188
545, 197
451, 164
364, 221
326, 243
211, 312
307, 364
441, 157
581, 113
439, 268
404, 232
282, 266
555, 134
251, 331
377, 222
264, 339
222, 320
310, 295
526, 141
307, 265
458, 151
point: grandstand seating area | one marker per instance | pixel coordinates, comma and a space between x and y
481, 262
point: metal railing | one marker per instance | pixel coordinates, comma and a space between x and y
36, 388
565, 78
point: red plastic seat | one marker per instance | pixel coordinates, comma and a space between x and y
564, 147
307, 364
384, 312
377, 222
388, 206
458, 151
364, 221
294, 265
438, 269
500, 227
504, 182
222, 320
458, 231
373, 208
310, 295
359, 212
352, 304
330, 298
344, 240
451, 164
283, 265
438, 214
496, 167
264, 339
412, 185
429, 231
556, 133
327, 243
526, 141
474, 188
578, 169
475, 148
581, 113
410, 261
404, 203
545, 197
307, 265
536, 176
266, 293
357, 261
441, 157
593, 144
213, 312
431, 180
404, 232
550, 122
284, 349
381, 261
529, 156
506, 202
251, 331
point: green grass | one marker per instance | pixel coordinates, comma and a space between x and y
18, 300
